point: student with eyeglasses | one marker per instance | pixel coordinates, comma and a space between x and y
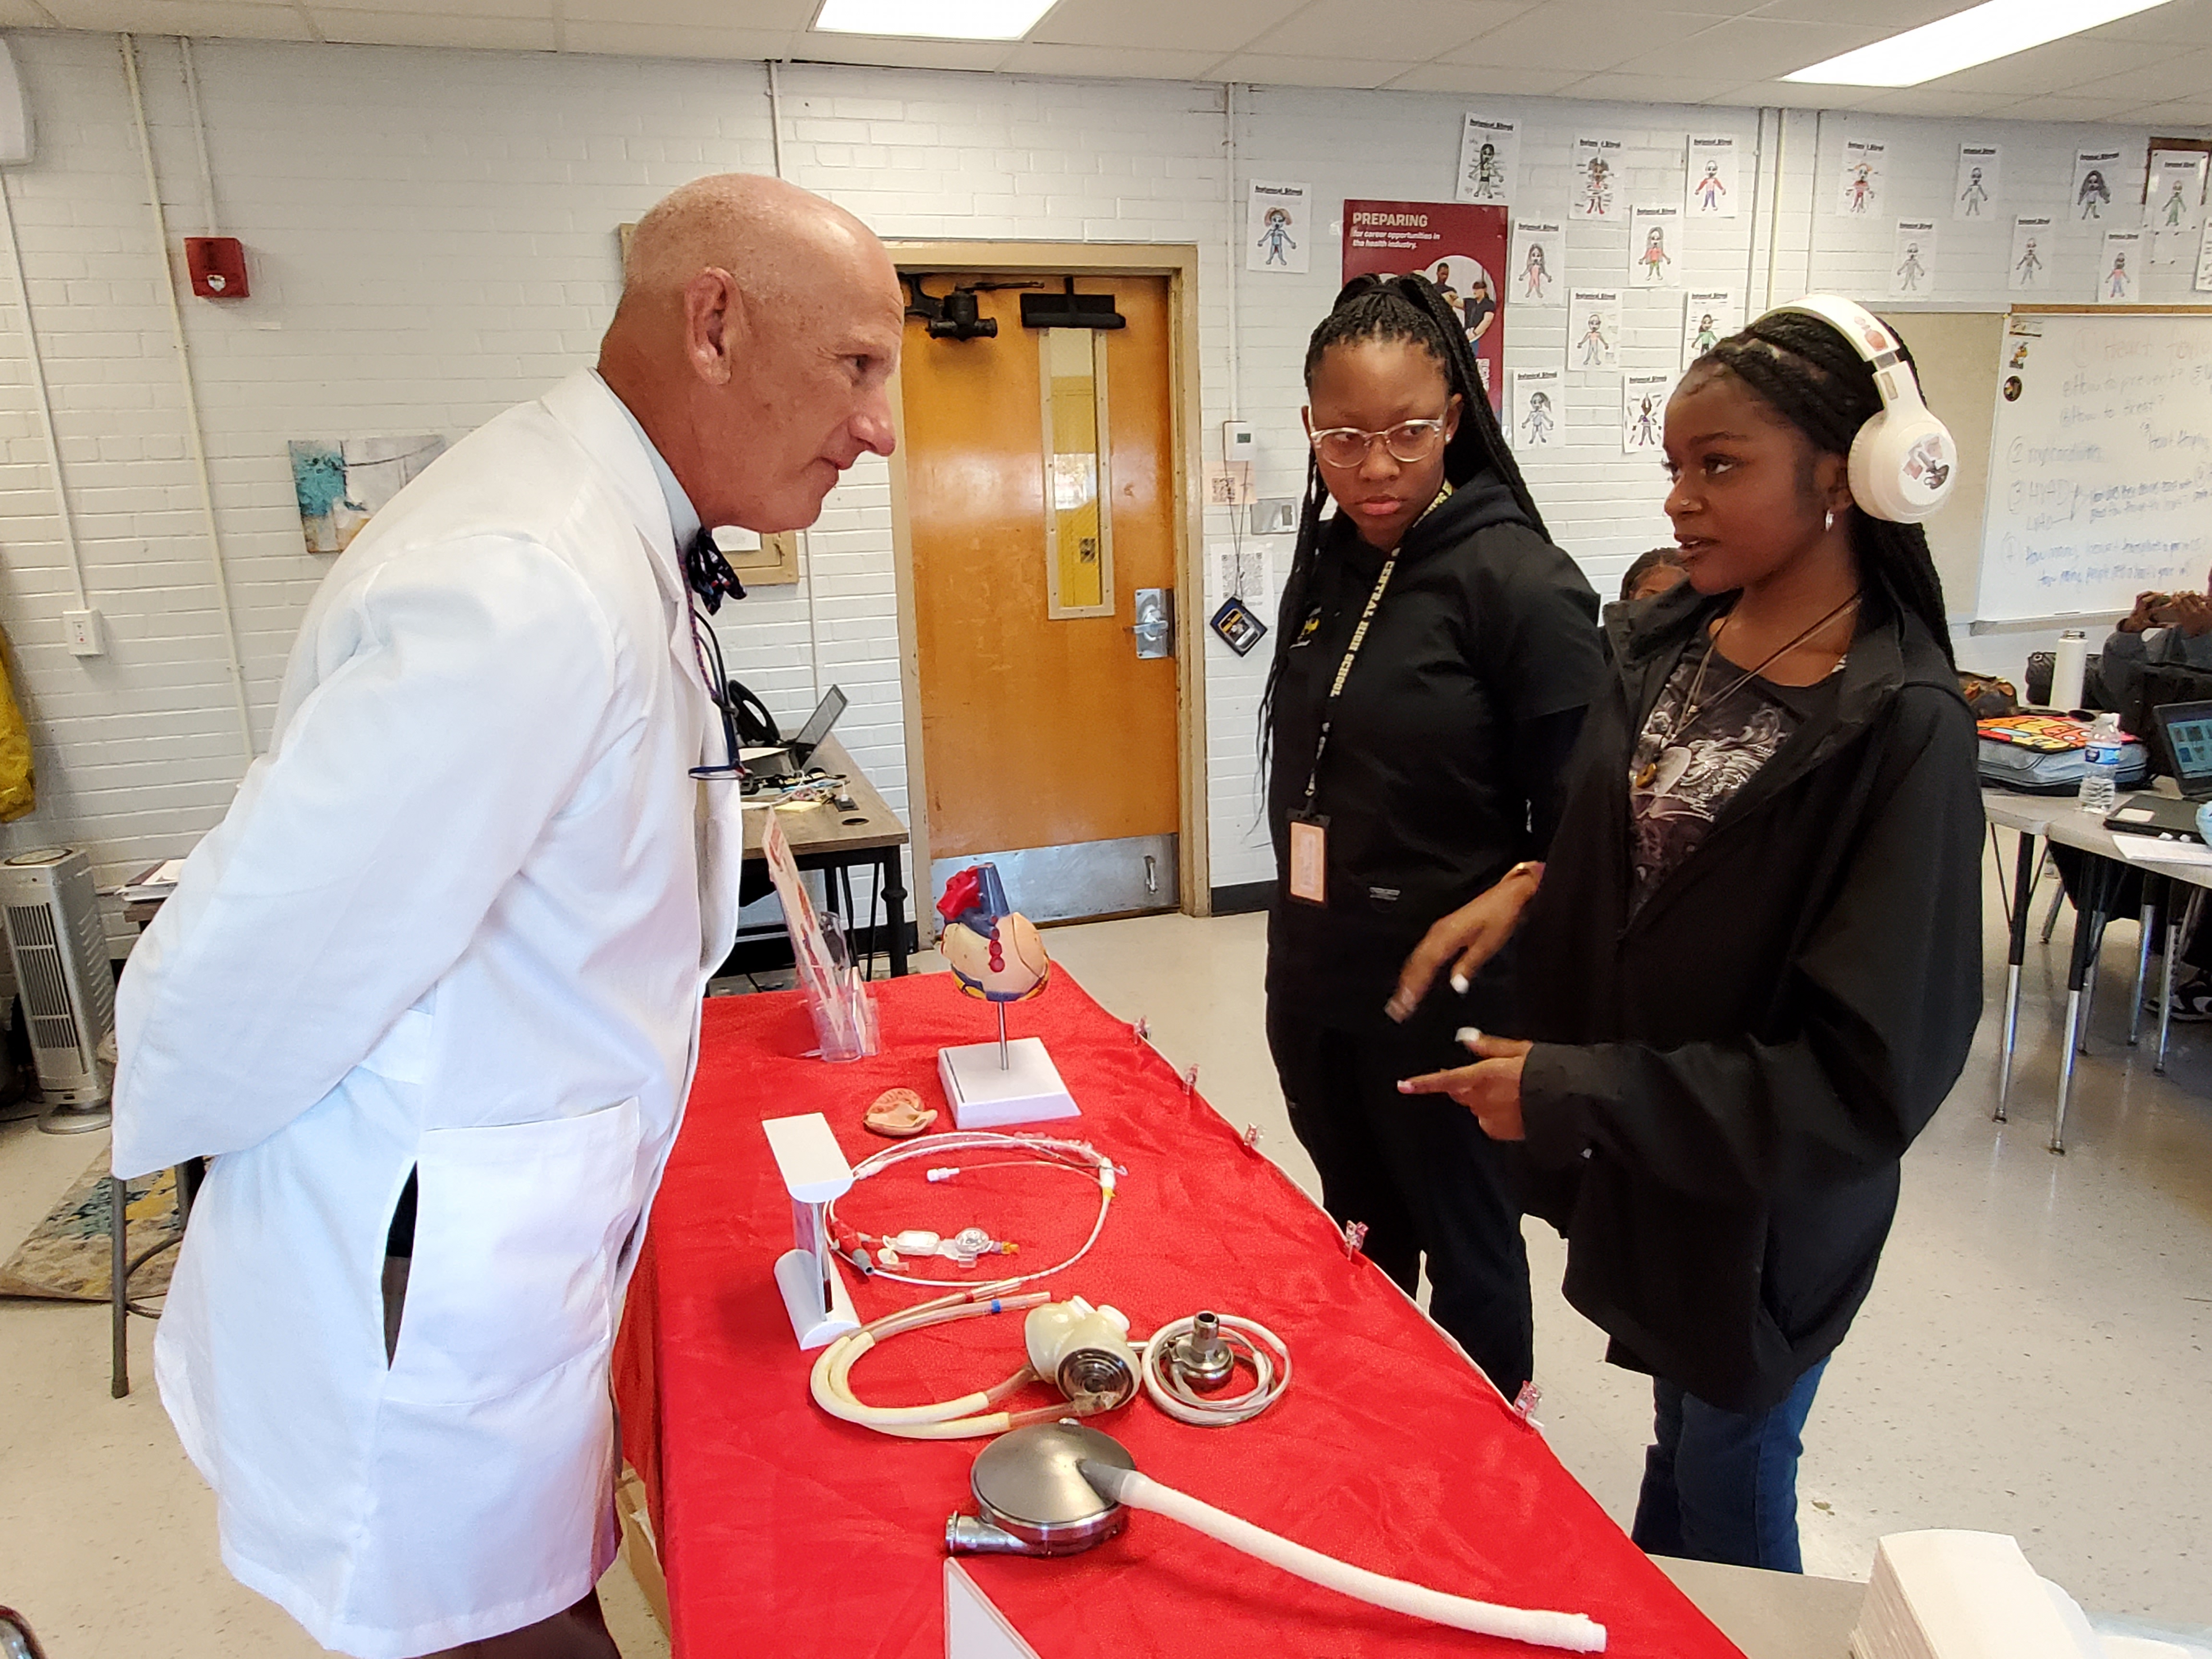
1434, 655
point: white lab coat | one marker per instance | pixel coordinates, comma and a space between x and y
459, 920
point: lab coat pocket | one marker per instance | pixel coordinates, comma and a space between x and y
515, 1234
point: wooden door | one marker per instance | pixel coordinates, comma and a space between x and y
1048, 743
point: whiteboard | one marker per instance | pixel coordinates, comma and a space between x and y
2100, 481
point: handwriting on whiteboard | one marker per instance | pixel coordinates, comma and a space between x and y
2103, 483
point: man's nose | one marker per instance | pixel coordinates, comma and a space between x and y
872, 425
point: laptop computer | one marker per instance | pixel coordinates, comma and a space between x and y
791, 758
2183, 731
825, 716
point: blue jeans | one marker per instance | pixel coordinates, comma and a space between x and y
1722, 1486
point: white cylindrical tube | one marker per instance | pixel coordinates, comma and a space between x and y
2067, 671
1575, 1633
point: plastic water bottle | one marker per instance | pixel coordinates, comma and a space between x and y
2101, 776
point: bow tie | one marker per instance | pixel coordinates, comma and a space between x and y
708, 573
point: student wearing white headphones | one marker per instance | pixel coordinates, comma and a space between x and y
1751, 970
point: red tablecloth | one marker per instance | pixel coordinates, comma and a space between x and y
783, 1531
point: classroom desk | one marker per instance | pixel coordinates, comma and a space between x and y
836, 842
2056, 819
2028, 815
784, 1531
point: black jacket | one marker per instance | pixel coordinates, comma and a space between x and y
1446, 747
1724, 1086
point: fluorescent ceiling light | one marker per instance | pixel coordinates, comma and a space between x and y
934, 19
1964, 38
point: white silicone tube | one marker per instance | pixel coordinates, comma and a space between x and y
1575, 1633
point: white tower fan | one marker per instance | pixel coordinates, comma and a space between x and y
60, 955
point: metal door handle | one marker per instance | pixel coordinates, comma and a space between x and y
1151, 874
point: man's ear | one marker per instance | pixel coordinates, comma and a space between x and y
713, 325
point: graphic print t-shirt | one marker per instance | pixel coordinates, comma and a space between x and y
1700, 768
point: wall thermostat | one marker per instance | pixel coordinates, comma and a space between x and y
1236, 443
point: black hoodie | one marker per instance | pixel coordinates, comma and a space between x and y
1724, 1086
1446, 747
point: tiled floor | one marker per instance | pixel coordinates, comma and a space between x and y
2034, 1358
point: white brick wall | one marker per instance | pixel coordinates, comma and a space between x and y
431, 239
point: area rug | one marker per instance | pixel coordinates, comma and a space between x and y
66, 1257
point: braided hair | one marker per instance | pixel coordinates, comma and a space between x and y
1810, 375
1413, 309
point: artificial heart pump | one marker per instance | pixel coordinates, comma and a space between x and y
1186, 1368
1048, 1484
1058, 1488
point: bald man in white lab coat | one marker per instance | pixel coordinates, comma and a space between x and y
442, 963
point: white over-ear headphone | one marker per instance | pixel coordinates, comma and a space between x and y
1903, 462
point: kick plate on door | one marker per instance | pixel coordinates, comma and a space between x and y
1116, 878
1155, 624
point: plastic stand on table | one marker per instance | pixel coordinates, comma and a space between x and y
974, 1627
814, 1173
990, 1084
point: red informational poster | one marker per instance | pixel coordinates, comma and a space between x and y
1458, 246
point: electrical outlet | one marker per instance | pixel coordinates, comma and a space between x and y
82, 627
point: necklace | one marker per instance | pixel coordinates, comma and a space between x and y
1692, 705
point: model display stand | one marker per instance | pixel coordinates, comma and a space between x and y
991, 1084
996, 955
814, 1173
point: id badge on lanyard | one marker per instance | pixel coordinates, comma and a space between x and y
1308, 880
1309, 861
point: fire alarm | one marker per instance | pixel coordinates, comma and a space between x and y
218, 266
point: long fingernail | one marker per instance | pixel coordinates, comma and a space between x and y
1467, 1036
1459, 983
1404, 1087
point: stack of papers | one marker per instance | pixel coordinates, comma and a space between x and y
1963, 1596
2160, 849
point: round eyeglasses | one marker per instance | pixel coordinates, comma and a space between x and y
1408, 442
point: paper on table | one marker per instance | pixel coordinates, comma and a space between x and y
2150, 850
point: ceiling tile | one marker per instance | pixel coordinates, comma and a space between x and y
2179, 73
2184, 23
1482, 78
26, 14
2055, 67
890, 53
542, 9
1126, 63
1220, 25
1759, 94
1557, 36
1360, 29
1268, 70
712, 15
1651, 89
1926, 100
2163, 118
1891, 16
617, 39
1750, 49
741, 15
2059, 106
413, 30
225, 19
